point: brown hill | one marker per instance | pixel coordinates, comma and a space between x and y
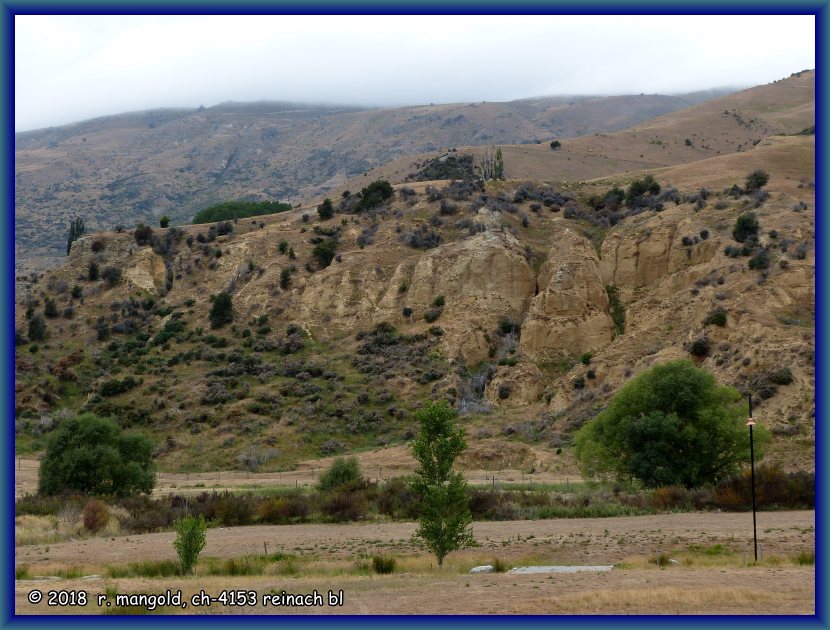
136, 167
507, 293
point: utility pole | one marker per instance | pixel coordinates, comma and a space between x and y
751, 423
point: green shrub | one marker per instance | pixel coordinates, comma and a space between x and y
325, 252
746, 227
37, 328
499, 565
616, 308
383, 565
756, 179
325, 210
760, 260
190, 540
700, 347
221, 312
343, 471
374, 194
717, 317
431, 314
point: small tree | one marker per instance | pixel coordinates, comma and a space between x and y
190, 540
555, 145
444, 522
76, 230
325, 210
221, 312
498, 165
164, 221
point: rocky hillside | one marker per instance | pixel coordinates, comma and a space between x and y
525, 303
133, 167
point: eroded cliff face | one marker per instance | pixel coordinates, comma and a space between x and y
639, 258
482, 278
570, 313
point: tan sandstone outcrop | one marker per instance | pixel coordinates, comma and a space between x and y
570, 313
642, 257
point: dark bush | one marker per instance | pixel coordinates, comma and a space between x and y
92, 271
700, 347
746, 227
111, 275
221, 312
716, 317
760, 260
143, 234
324, 252
432, 314
421, 238
325, 210
756, 179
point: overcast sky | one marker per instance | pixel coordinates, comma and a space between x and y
71, 68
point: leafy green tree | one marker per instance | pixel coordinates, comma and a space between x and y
164, 221
76, 230
191, 537
341, 473
671, 425
325, 210
221, 312
92, 455
444, 521
555, 144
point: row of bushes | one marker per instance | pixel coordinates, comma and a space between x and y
359, 498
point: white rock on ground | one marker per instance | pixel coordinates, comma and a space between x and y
561, 569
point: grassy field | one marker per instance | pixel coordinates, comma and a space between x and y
698, 563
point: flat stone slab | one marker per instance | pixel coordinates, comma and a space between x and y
487, 568
562, 569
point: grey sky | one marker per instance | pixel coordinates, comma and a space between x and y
71, 68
